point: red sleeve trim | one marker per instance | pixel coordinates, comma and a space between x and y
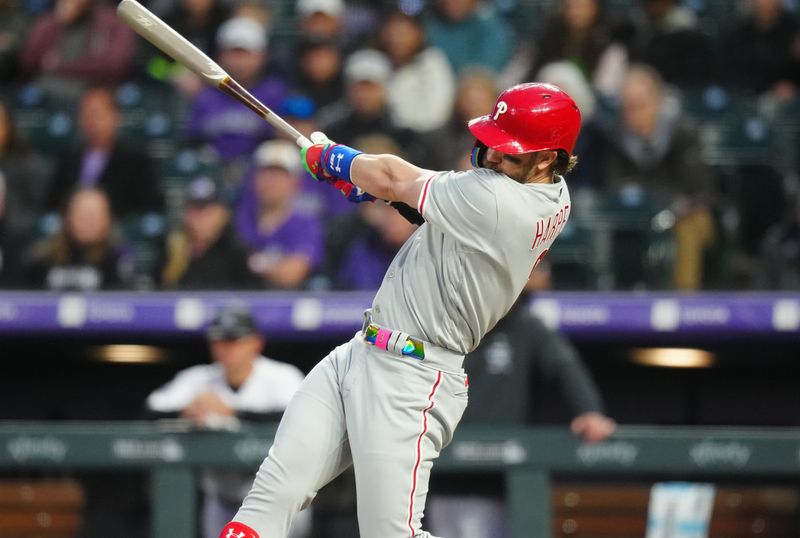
423, 196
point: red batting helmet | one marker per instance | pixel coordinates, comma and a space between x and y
529, 117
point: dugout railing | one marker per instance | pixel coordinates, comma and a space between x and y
529, 458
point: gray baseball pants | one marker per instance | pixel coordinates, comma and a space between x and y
387, 415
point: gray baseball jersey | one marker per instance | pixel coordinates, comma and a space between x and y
457, 276
388, 414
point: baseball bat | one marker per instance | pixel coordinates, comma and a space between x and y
164, 38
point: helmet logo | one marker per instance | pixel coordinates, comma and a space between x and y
502, 108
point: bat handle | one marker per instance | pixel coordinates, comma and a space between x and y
302, 141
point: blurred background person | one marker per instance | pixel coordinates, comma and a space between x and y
13, 27
762, 50
471, 33
447, 148
85, 254
582, 32
779, 259
205, 252
285, 245
422, 86
365, 109
318, 69
78, 43
513, 374
103, 160
240, 385
12, 246
667, 35
653, 150
321, 19
25, 172
231, 129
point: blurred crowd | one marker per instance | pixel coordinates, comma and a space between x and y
119, 169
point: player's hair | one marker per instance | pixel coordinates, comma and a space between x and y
564, 162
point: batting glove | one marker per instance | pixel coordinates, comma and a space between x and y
234, 529
330, 162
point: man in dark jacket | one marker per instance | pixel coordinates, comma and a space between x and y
205, 253
126, 174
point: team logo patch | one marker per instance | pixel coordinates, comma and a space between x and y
501, 109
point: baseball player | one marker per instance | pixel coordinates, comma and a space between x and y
387, 402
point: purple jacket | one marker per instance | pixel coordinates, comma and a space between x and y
231, 128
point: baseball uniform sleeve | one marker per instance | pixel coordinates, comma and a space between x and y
463, 205
177, 394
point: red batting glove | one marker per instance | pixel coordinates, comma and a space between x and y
234, 529
312, 160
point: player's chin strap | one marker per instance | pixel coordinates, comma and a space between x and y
478, 154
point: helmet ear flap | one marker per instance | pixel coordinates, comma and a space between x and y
478, 154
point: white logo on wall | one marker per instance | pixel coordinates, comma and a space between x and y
307, 314
8, 311
715, 453
501, 109
155, 449
24, 449
786, 315
617, 452
665, 315
547, 310
72, 311
190, 314
490, 451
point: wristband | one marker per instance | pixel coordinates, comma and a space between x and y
337, 160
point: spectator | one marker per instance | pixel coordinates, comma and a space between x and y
471, 33
240, 385
13, 25
779, 267
366, 109
762, 52
509, 374
319, 70
102, 160
445, 147
654, 148
379, 233
214, 118
321, 19
668, 37
79, 43
85, 254
422, 88
205, 253
286, 246
25, 174
582, 33
12, 246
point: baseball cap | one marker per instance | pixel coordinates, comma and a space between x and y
202, 191
279, 153
242, 33
231, 322
334, 8
368, 65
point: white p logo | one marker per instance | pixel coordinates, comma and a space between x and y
502, 108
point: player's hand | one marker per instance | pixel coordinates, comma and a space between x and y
313, 156
593, 427
234, 529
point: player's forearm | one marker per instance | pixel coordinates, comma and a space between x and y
388, 177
